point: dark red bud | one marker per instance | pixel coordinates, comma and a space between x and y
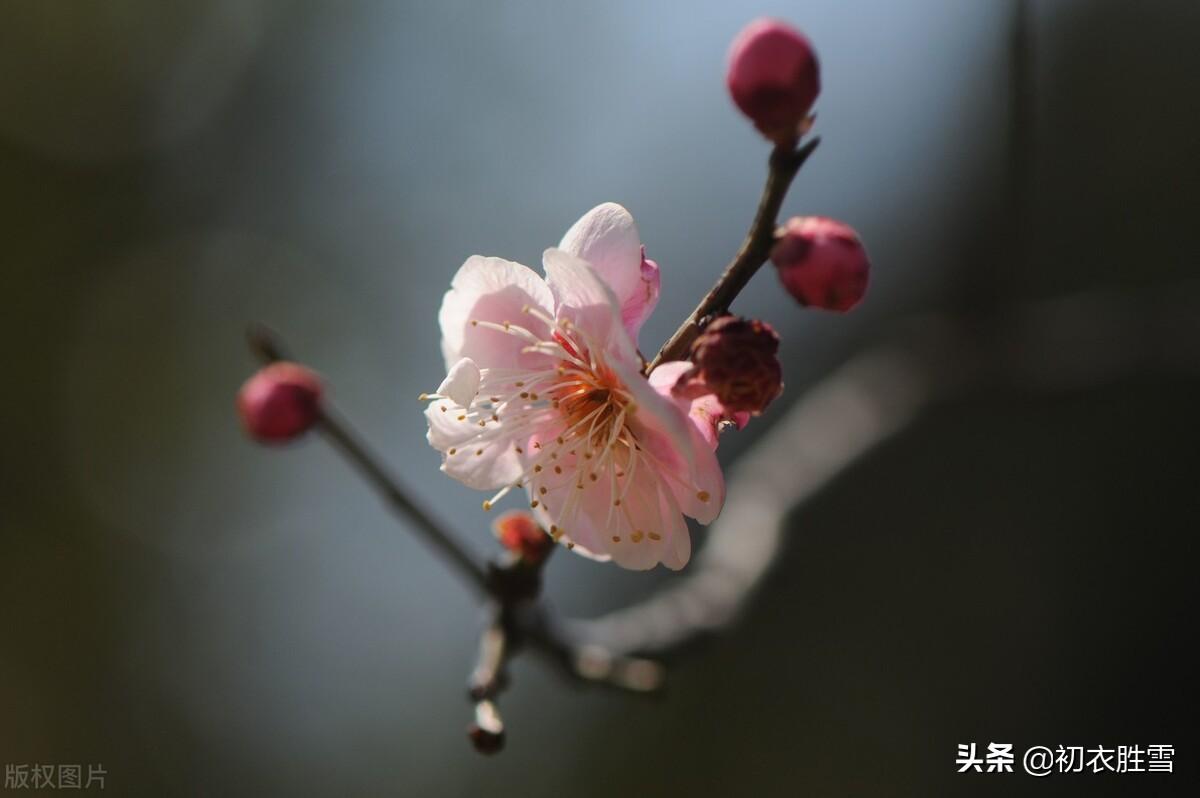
735, 360
280, 402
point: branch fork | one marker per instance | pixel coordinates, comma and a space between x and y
516, 617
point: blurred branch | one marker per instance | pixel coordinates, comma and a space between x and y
1067, 344
268, 347
785, 162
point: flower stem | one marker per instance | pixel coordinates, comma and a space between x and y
265, 343
785, 162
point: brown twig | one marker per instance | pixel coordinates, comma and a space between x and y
266, 344
785, 162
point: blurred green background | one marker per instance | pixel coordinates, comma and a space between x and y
204, 617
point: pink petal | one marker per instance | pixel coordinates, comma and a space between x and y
607, 238
492, 290
677, 445
586, 301
638, 306
641, 533
705, 412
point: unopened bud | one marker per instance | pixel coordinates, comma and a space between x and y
735, 360
520, 534
773, 77
280, 402
822, 262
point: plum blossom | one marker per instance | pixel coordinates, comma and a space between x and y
545, 392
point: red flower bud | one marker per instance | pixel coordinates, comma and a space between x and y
822, 263
735, 360
520, 534
280, 402
773, 77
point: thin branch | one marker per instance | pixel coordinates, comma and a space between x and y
785, 162
268, 347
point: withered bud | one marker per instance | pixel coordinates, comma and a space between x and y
735, 360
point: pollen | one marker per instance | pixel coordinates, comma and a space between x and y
703, 496
487, 506
452, 451
655, 536
636, 537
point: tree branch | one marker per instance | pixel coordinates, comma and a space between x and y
784, 163
265, 343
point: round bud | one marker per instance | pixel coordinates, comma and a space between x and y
280, 402
773, 77
735, 360
520, 534
822, 262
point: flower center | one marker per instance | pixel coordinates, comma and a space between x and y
565, 424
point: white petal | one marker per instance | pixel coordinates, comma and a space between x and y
462, 383
493, 290
481, 458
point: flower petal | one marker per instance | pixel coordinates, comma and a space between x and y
461, 383
637, 534
638, 306
492, 290
678, 449
607, 238
482, 459
584, 300
706, 411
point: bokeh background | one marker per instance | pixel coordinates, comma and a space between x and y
205, 617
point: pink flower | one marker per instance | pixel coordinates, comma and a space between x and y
545, 392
